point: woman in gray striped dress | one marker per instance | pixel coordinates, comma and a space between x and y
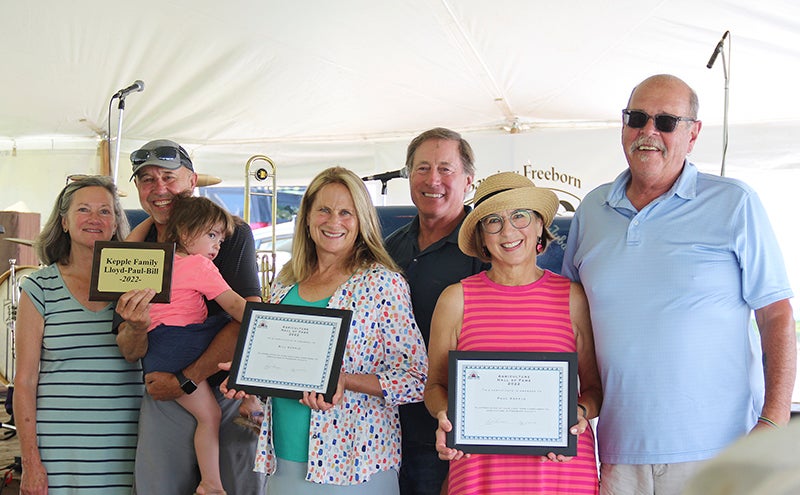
76, 402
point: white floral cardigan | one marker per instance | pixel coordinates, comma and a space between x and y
361, 435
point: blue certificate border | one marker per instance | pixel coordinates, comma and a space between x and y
242, 377
513, 444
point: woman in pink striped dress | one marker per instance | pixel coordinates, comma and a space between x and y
514, 306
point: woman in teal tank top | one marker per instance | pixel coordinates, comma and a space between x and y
290, 418
352, 444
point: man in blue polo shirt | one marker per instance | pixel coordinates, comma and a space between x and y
440, 166
674, 262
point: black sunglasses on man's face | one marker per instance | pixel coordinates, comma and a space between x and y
664, 122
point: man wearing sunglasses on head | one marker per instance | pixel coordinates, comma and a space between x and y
164, 464
674, 263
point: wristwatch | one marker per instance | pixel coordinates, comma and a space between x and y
187, 385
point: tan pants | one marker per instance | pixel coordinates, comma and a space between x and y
647, 479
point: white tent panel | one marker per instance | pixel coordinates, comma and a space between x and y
317, 83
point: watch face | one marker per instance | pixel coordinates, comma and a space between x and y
188, 386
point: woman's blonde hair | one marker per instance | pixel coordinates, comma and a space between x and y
368, 247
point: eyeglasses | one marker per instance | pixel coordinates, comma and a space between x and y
493, 224
167, 153
664, 122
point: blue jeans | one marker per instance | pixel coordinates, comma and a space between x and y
422, 472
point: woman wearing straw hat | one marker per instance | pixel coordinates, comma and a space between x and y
540, 312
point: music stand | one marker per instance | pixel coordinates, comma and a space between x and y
5, 435
8, 399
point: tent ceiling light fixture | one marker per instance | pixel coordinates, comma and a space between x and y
514, 127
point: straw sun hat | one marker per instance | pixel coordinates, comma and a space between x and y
501, 192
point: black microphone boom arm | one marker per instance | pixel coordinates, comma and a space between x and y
717, 50
396, 174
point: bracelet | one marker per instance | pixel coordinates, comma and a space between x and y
585, 412
767, 421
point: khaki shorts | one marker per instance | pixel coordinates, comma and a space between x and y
647, 479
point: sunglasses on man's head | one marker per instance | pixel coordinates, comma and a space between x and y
168, 153
664, 122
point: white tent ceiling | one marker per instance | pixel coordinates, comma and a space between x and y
311, 83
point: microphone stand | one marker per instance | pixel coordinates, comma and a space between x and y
726, 70
115, 167
385, 178
384, 184
727, 73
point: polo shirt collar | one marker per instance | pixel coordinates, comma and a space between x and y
685, 187
452, 237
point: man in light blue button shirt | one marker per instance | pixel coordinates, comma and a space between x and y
674, 262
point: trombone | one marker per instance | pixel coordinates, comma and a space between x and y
266, 259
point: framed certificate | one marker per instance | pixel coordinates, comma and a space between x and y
118, 267
285, 350
512, 402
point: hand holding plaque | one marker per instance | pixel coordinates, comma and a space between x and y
118, 267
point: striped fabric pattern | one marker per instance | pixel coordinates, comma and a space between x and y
529, 318
88, 397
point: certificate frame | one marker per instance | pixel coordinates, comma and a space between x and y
512, 402
119, 266
284, 350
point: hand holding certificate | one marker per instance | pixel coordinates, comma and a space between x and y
286, 350
512, 402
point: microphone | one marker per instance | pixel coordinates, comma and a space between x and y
137, 86
717, 50
396, 174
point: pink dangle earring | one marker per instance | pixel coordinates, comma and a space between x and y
539, 246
